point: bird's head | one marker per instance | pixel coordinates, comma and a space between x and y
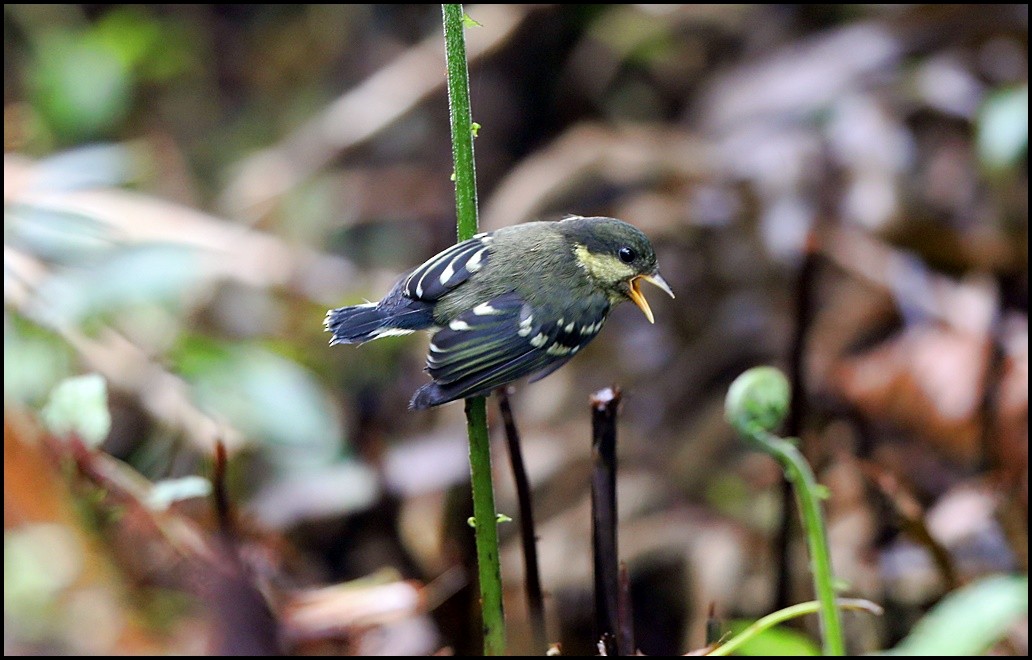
616, 257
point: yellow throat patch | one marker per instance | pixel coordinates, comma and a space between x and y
603, 267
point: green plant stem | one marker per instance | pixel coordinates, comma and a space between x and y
806, 489
484, 513
461, 123
773, 619
486, 523
756, 403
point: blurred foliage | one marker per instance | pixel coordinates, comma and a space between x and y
84, 78
78, 408
34, 360
1003, 129
187, 188
270, 398
969, 621
169, 491
40, 562
125, 277
776, 641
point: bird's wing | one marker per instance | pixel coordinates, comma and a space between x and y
501, 341
448, 269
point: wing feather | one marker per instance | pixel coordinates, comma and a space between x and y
448, 269
504, 340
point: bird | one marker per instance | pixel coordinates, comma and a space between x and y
518, 301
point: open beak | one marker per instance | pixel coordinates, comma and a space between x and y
639, 299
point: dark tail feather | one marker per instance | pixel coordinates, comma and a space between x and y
357, 324
361, 323
434, 394
429, 395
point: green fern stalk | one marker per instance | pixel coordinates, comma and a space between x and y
756, 403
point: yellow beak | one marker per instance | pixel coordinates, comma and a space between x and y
639, 299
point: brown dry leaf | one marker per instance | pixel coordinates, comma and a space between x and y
705, 650
927, 380
92, 600
587, 152
341, 608
32, 492
1010, 414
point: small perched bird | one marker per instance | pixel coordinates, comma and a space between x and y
514, 302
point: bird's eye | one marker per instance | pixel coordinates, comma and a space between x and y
627, 255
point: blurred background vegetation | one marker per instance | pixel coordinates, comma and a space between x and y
841, 190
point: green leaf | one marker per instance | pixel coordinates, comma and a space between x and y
35, 361
468, 22
760, 396
152, 48
57, 235
78, 406
970, 620
40, 561
775, 641
268, 397
140, 274
129, 34
1003, 128
79, 85
91, 166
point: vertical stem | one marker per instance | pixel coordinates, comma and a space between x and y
532, 576
484, 513
756, 403
603, 519
220, 493
625, 615
461, 123
713, 628
488, 565
799, 473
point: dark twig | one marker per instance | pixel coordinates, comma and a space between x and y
245, 623
604, 405
911, 517
625, 614
219, 492
997, 446
990, 449
532, 576
713, 632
